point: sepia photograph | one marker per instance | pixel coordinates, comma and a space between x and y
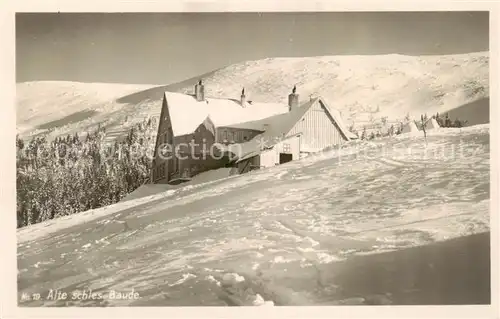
218, 159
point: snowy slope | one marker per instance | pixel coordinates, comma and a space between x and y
283, 234
60, 108
359, 85
363, 88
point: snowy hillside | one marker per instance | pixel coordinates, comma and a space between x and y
361, 85
294, 234
364, 88
60, 108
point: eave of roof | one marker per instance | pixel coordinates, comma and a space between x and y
335, 114
279, 126
187, 113
276, 128
258, 151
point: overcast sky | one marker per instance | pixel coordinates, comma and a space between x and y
163, 48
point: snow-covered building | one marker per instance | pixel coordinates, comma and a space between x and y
196, 133
305, 128
410, 127
431, 124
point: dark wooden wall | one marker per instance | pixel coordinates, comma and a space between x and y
229, 135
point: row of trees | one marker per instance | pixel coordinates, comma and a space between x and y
447, 122
364, 135
398, 128
73, 174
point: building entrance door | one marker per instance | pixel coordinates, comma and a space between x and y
285, 158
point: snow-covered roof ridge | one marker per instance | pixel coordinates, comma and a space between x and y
278, 127
187, 113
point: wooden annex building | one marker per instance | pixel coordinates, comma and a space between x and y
196, 133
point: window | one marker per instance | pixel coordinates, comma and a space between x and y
286, 148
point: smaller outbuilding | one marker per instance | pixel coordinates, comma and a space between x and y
410, 127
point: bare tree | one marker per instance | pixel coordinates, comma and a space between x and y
353, 130
384, 120
372, 118
423, 118
407, 118
391, 130
363, 134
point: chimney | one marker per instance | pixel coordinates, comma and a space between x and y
243, 98
199, 91
293, 99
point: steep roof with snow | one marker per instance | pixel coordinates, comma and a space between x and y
275, 128
278, 127
274, 120
186, 113
410, 127
431, 124
278, 124
337, 117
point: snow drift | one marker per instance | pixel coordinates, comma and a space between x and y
280, 235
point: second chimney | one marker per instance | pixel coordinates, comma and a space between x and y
293, 99
199, 91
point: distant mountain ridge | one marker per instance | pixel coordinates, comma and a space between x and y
363, 88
